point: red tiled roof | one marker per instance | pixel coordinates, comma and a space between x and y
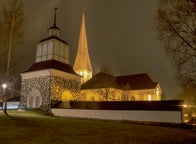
128, 82
136, 81
100, 80
51, 64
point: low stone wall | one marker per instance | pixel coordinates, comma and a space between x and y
11, 105
132, 115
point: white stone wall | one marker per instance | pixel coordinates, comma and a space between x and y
133, 115
12, 105
38, 81
50, 83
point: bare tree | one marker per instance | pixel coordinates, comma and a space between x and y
11, 36
106, 82
75, 91
125, 94
176, 28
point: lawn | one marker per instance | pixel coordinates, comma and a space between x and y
32, 127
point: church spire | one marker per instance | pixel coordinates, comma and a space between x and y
55, 9
82, 65
54, 30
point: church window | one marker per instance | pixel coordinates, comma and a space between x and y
57, 51
39, 48
157, 91
66, 52
56, 48
38, 54
49, 57
56, 57
61, 59
61, 51
44, 49
43, 58
50, 46
149, 97
38, 59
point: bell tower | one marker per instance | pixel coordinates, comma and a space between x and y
50, 79
52, 47
82, 65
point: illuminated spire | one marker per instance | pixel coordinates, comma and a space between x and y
82, 65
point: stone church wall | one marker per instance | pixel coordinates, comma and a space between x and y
37, 83
51, 89
59, 85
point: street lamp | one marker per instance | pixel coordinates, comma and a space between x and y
4, 86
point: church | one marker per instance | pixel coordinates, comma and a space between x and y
51, 79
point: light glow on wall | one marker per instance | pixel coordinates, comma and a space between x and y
149, 97
157, 91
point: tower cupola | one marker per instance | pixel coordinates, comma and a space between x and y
53, 47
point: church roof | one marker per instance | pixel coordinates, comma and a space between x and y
100, 80
136, 81
51, 64
126, 82
82, 61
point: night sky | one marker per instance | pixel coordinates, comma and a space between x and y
121, 36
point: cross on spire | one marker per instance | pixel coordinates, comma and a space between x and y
55, 9
54, 30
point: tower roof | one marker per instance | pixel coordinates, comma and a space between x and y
82, 61
51, 64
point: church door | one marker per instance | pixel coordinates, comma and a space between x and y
34, 99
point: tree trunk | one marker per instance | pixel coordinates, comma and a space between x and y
8, 61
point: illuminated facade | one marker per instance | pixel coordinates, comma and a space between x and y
82, 65
105, 87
